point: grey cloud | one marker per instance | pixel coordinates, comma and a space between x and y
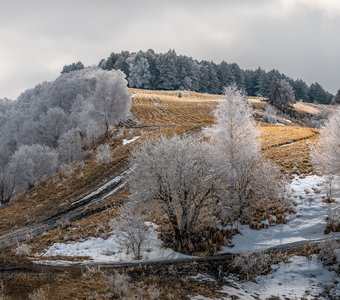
38, 37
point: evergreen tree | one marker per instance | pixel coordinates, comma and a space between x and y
139, 73
225, 75
152, 58
214, 83
281, 94
122, 63
336, 98
204, 78
238, 75
170, 71
300, 90
108, 64
168, 75
318, 95
73, 67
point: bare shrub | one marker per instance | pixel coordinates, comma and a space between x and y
154, 292
333, 220
132, 230
119, 284
271, 114
38, 294
103, 154
22, 250
326, 253
252, 264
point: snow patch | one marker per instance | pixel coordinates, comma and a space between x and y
111, 250
128, 141
307, 224
300, 278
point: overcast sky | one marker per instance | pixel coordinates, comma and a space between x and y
298, 37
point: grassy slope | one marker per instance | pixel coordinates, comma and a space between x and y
156, 113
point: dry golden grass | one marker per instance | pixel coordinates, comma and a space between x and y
90, 283
275, 136
158, 113
289, 147
310, 108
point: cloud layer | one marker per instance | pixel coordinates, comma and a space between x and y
298, 37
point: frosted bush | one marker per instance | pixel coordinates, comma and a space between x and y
38, 294
154, 292
103, 154
252, 264
327, 254
23, 250
119, 284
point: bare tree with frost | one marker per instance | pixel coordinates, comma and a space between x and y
51, 126
270, 114
70, 147
111, 98
178, 174
247, 176
326, 156
31, 163
326, 160
132, 231
7, 184
103, 153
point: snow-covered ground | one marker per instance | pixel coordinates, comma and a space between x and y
300, 278
111, 250
128, 141
307, 224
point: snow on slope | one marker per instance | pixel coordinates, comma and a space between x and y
300, 278
126, 141
307, 224
110, 250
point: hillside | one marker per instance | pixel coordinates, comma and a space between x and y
58, 210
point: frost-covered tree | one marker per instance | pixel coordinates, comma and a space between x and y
51, 126
317, 94
73, 67
326, 155
31, 163
238, 75
112, 100
336, 98
247, 176
281, 94
167, 68
326, 160
225, 75
132, 231
178, 174
65, 115
70, 147
270, 114
140, 75
7, 184
103, 153
234, 131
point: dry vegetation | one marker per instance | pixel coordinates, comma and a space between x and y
154, 113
